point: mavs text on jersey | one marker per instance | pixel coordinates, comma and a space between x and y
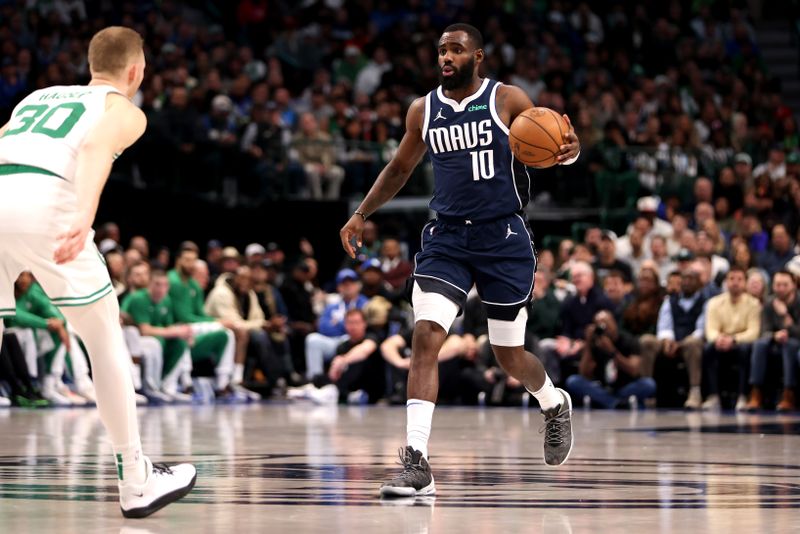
479, 235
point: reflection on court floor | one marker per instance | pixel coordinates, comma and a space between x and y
305, 469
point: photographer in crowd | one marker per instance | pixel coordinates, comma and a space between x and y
609, 372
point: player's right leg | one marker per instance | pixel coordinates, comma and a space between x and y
434, 314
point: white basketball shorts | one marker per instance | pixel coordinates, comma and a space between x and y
34, 209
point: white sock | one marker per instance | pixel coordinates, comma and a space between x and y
548, 396
419, 414
238, 373
130, 463
98, 326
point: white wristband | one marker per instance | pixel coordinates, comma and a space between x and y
572, 160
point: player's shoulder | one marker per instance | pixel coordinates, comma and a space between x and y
507, 90
415, 114
417, 105
122, 104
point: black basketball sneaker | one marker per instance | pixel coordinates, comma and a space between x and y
558, 431
415, 479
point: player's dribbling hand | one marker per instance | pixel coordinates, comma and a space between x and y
352, 232
71, 242
571, 146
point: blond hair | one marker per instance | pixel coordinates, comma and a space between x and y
114, 48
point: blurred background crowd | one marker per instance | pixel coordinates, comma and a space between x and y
680, 291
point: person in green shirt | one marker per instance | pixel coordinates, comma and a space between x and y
188, 302
153, 311
42, 331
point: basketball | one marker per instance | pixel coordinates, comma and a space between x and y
536, 136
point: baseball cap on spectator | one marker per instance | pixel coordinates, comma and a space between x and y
684, 254
254, 249
214, 243
352, 50
272, 246
169, 48
222, 103
743, 157
107, 245
346, 274
608, 234
230, 253
372, 263
793, 266
647, 204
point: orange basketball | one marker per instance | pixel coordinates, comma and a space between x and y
536, 136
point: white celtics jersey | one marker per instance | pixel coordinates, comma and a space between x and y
48, 127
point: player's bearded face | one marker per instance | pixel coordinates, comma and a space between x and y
461, 77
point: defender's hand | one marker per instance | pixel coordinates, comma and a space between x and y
571, 146
352, 231
71, 242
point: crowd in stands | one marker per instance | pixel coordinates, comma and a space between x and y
693, 304
675, 313
307, 99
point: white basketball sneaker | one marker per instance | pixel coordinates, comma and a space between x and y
163, 486
250, 395
50, 391
85, 388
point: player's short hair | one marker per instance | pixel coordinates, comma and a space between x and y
157, 273
473, 33
113, 48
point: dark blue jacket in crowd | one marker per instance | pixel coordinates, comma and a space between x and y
577, 313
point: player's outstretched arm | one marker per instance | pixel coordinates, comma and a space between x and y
391, 179
121, 125
511, 101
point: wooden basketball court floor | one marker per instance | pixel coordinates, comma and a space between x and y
300, 468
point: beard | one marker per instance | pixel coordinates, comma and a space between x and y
460, 78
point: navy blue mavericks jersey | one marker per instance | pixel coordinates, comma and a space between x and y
475, 174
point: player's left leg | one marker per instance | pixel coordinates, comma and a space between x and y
505, 270
507, 339
144, 487
82, 290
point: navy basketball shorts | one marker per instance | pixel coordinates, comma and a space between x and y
498, 256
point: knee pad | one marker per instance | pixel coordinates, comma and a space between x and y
434, 307
509, 333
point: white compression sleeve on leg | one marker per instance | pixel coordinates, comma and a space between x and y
508, 333
98, 326
430, 306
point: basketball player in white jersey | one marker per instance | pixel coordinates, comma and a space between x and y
56, 153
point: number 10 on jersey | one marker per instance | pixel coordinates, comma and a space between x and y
482, 164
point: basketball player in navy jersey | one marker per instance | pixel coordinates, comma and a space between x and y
478, 237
